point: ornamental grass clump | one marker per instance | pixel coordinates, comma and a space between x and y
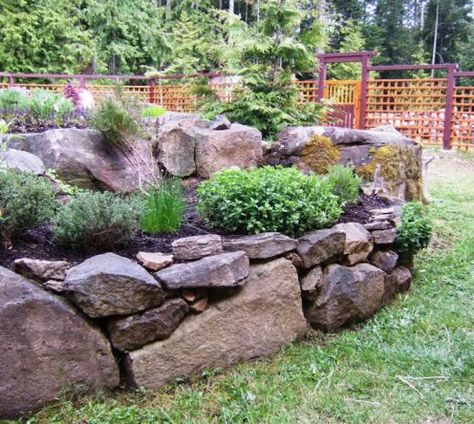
267, 199
26, 201
414, 232
97, 221
344, 183
164, 208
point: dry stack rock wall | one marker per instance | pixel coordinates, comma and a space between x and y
213, 302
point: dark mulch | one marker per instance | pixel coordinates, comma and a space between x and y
37, 243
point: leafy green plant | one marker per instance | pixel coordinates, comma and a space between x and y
164, 208
414, 232
26, 201
267, 199
153, 111
10, 99
97, 221
115, 122
344, 183
46, 104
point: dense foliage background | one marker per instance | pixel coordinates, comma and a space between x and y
124, 36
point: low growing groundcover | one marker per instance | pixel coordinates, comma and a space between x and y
411, 363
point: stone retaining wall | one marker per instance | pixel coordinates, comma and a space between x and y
214, 302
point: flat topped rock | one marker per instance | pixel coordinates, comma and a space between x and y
321, 245
196, 247
386, 260
110, 284
261, 246
23, 161
224, 270
154, 260
41, 270
47, 347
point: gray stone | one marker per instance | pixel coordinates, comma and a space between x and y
184, 119
46, 348
386, 260
261, 246
378, 225
196, 247
384, 236
176, 149
347, 294
41, 270
82, 157
358, 242
109, 284
240, 146
154, 260
224, 270
23, 161
220, 123
135, 331
321, 245
265, 315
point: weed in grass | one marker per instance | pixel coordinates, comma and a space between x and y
164, 208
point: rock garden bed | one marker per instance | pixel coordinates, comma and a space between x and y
257, 256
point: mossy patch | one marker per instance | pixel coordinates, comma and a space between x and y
319, 153
397, 163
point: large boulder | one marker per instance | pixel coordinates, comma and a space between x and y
176, 149
358, 242
46, 347
347, 294
82, 157
109, 284
263, 316
134, 331
23, 161
219, 271
320, 246
387, 160
261, 246
240, 146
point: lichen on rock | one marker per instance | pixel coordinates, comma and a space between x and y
319, 153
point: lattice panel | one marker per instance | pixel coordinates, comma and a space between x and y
462, 129
413, 106
308, 91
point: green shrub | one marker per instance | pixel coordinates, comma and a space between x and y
153, 111
10, 99
414, 232
267, 199
344, 183
97, 221
164, 208
46, 104
115, 122
26, 201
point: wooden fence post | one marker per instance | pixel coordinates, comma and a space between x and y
448, 112
11, 81
151, 90
363, 90
322, 78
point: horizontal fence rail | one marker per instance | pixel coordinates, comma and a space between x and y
433, 111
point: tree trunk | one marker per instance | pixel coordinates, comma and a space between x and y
231, 6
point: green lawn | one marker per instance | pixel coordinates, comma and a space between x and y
412, 363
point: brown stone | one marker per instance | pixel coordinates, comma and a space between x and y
321, 245
41, 270
176, 149
109, 284
265, 315
224, 270
386, 260
311, 283
358, 242
154, 261
199, 305
46, 348
261, 246
384, 236
196, 247
134, 331
378, 225
240, 146
347, 294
